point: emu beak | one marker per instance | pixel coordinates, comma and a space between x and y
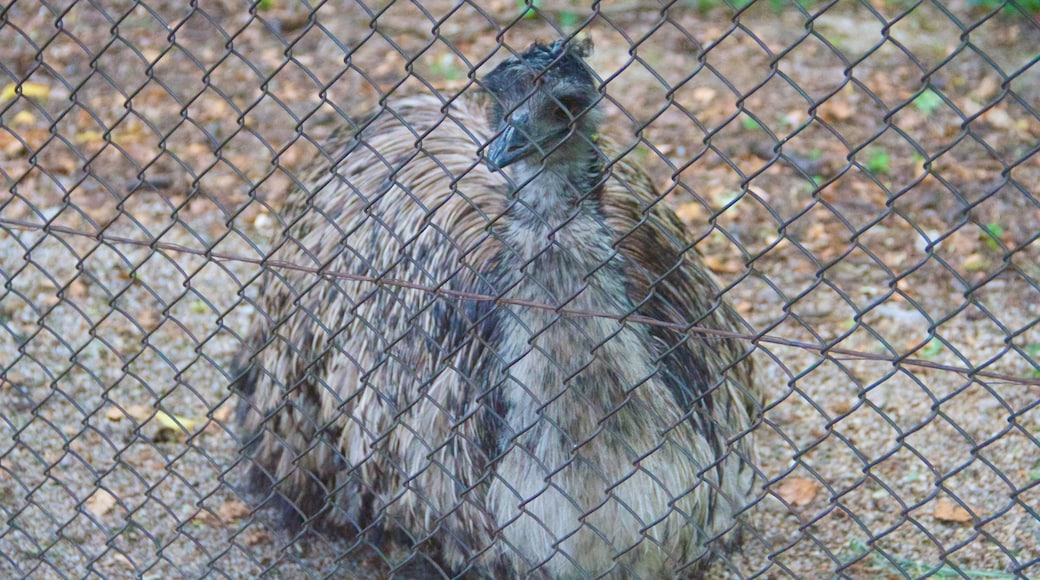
514, 143
508, 147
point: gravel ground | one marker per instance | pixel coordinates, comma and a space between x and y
893, 223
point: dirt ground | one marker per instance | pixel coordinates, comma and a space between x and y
860, 176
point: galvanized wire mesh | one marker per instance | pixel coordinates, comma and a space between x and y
861, 178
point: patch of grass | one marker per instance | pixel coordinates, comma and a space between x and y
879, 161
1034, 353
1032, 6
932, 349
527, 8
446, 67
749, 123
991, 235
927, 102
569, 20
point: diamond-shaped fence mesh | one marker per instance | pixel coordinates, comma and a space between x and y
325, 289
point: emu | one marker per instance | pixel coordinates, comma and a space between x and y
502, 437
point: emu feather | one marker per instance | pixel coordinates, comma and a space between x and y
505, 439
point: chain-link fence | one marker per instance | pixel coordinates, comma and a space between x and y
189, 226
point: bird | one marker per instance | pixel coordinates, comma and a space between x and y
465, 359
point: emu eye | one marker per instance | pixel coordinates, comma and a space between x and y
567, 108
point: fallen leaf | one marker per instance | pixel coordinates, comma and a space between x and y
23, 119
223, 413
147, 320
89, 137
797, 491
690, 211
123, 560
9, 145
77, 290
947, 511
139, 413
986, 88
743, 307
232, 510
835, 110
975, 263
101, 503
175, 422
723, 266
257, 537
31, 90
999, 118
841, 407
704, 95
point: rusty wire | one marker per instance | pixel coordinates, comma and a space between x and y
824, 349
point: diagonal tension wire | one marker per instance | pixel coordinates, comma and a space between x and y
822, 350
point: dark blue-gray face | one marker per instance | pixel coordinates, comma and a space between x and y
543, 105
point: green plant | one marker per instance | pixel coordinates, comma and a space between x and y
932, 349
991, 235
569, 20
1008, 5
928, 101
528, 8
878, 161
749, 122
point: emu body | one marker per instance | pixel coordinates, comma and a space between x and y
506, 439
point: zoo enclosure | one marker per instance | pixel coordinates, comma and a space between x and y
861, 177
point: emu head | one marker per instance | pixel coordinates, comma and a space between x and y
543, 110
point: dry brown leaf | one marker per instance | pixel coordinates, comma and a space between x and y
206, 517
123, 560
255, 537
835, 110
9, 145
13, 379
816, 232
841, 407
704, 95
147, 319
139, 412
797, 491
232, 510
947, 511
723, 266
690, 211
101, 503
77, 290
223, 413
114, 414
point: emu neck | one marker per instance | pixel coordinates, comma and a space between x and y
558, 250
559, 190
556, 239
